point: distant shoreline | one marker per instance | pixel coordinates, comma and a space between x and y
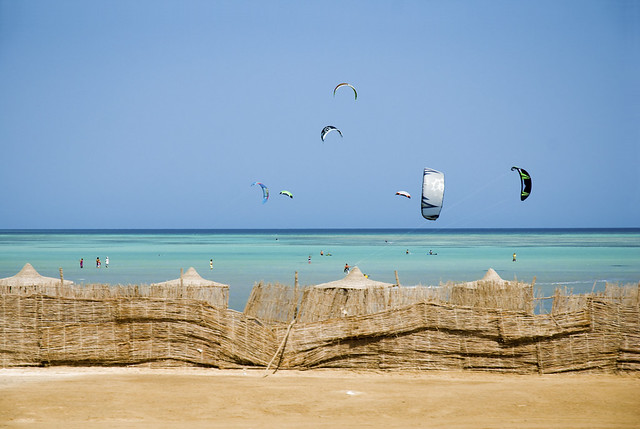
309, 230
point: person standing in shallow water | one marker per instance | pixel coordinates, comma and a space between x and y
346, 268
81, 262
211, 264
106, 262
514, 256
98, 262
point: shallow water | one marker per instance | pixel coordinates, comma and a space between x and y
578, 259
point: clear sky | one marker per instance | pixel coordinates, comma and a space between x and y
160, 114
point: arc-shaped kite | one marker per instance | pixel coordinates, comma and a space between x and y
326, 130
286, 193
403, 194
355, 93
432, 193
525, 182
265, 191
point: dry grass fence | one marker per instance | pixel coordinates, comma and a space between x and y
217, 296
44, 330
277, 303
595, 332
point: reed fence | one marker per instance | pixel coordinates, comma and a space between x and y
277, 303
386, 328
217, 296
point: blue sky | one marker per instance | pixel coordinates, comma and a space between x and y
160, 114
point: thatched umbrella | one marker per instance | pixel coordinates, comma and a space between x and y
490, 277
355, 294
28, 276
192, 286
354, 280
191, 278
492, 291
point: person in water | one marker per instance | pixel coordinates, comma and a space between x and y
211, 264
81, 262
346, 268
514, 256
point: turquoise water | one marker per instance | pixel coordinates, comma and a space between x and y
556, 257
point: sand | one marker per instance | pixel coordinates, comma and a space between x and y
210, 398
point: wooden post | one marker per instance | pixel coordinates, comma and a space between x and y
61, 282
533, 306
295, 297
181, 281
397, 280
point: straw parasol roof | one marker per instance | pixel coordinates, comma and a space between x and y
28, 276
191, 278
354, 280
490, 277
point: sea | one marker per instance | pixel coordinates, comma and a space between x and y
580, 260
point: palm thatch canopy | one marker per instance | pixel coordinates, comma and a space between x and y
191, 278
490, 277
28, 276
354, 280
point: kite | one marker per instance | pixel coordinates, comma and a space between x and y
403, 193
432, 193
326, 130
287, 193
525, 183
265, 191
355, 93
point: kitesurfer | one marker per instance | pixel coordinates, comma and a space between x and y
514, 256
211, 264
346, 268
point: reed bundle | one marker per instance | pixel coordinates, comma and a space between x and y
273, 303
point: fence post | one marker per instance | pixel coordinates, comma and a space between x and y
61, 282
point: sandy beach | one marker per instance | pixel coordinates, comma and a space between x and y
193, 397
